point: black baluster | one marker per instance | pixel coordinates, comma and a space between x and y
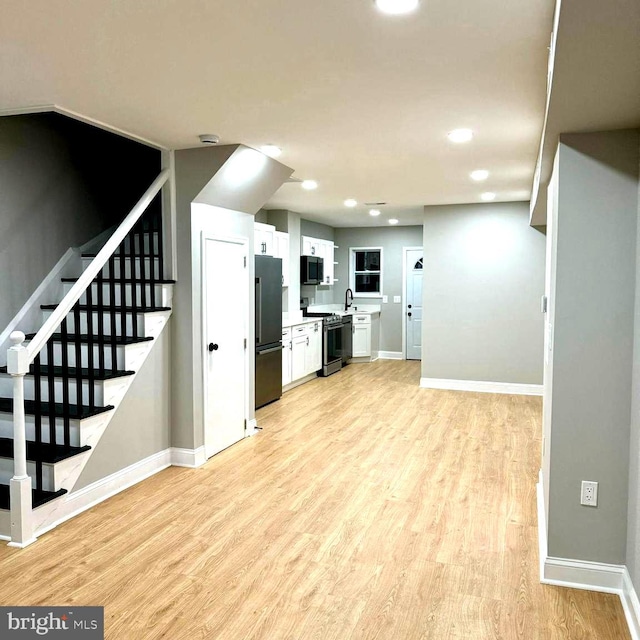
123, 313
100, 284
66, 415
112, 312
90, 355
143, 270
51, 380
134, 293
160, 244
152, 258
78, 350
37, 397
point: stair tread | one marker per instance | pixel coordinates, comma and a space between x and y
106, 307
107, 374
106, 339
93, 254
6, 406
126, 280
38, 496
50, 453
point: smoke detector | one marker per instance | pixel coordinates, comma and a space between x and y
209, 138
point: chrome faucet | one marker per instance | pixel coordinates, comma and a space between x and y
347, 304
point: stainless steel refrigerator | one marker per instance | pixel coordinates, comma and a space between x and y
268, 380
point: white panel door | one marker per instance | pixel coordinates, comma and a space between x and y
413, 303
224, 279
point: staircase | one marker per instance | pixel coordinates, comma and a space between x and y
80, 365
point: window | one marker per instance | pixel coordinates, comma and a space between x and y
365, 271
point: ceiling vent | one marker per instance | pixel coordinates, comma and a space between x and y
374, 204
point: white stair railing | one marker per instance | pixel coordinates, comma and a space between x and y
19, 359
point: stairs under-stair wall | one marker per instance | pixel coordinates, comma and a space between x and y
78, 379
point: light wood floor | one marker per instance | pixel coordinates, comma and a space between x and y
367, 508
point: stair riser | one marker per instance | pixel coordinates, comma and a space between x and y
84, 351
48, 473
54, 475
162, 294
130, 319
81, 432
127, 268
6, 390
145, 240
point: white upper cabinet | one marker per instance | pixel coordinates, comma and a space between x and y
323, 249
281, 240
263, 239
269, 242
310, 246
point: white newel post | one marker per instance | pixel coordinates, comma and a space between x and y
20, 486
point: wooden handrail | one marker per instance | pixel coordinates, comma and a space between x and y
85, 280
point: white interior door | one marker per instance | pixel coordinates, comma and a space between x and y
225, 300
413, 303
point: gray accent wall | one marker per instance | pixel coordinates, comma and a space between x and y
633, 512
592, 318
316, 230
141, 424
317, 294
62, 182
392, 240
483, 281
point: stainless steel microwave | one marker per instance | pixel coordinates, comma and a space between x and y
311, 270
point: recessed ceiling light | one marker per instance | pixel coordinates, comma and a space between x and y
374, 212
309, 185
487, 196
396, 7
271, 150
479, 175
460, 135
393, 220
350, 202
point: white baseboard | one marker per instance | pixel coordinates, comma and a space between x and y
191, 458
511, 388
298, 382
390, 355
252, 428
76, 502
591, 576
631, 605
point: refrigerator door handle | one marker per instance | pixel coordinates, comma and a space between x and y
258, 310
272, 350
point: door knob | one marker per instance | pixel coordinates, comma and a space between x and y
213, 347
409, 306
409, 314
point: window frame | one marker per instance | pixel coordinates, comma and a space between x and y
352, 272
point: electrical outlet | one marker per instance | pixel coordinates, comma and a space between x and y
385, 299
589, 493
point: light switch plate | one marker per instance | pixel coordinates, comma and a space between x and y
385, 299
396, 299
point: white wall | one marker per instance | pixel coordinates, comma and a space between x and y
483, 280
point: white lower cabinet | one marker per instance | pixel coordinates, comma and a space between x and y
313, 355
298, 357
361, 336
302, 351
286, 356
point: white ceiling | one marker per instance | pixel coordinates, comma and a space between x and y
596, 76
359, 101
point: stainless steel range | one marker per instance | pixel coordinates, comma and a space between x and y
333, 343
